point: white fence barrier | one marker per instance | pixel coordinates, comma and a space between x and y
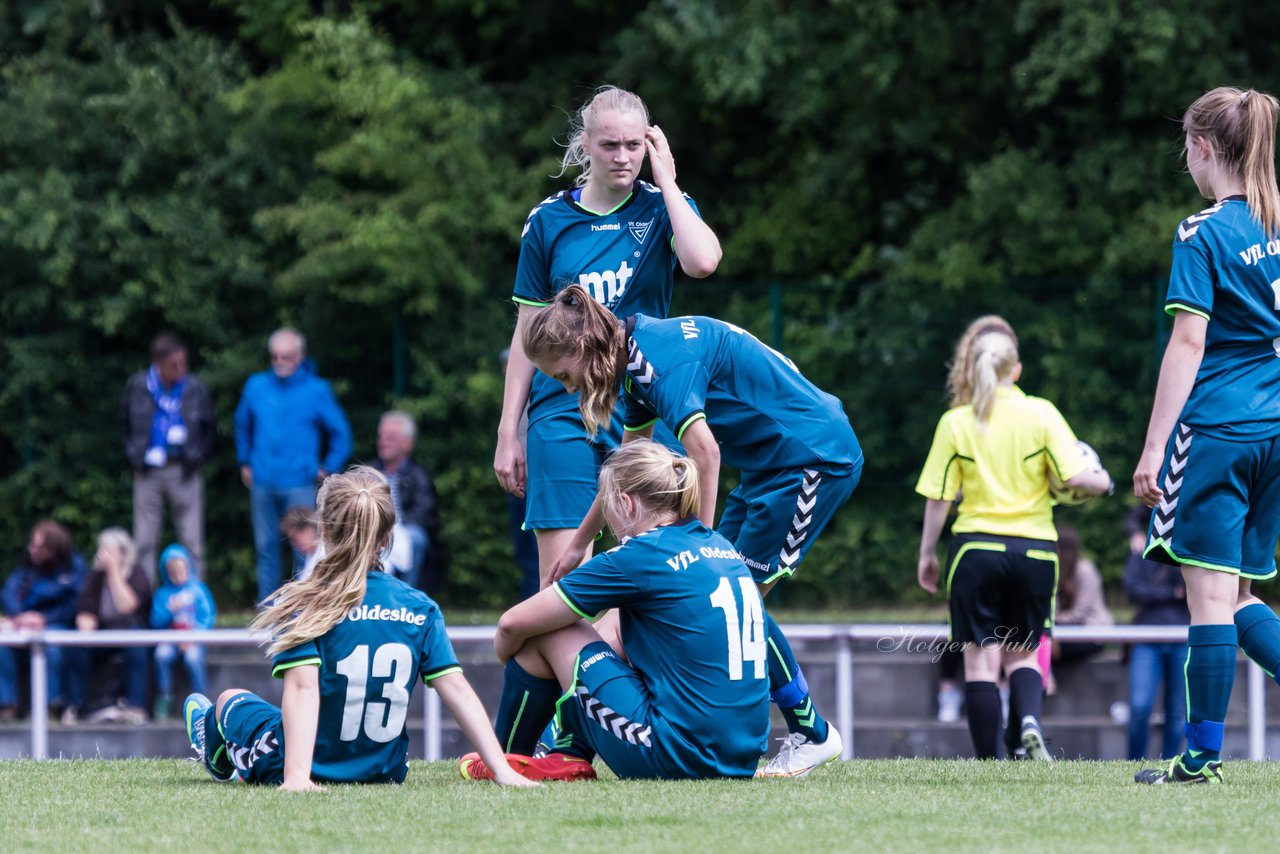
885, 637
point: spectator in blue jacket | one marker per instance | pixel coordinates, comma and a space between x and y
1160, 596
290, 432
40, 594
182, 602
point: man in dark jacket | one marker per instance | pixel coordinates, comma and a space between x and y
167, 424
413, 494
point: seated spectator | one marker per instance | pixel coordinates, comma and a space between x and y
183, 601
1160, 595
301, 525
40, 594
116, 595
1080, 598
412, 492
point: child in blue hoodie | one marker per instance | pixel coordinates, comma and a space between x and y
182, 602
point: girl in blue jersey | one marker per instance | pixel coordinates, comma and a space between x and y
350, 642
727, 397
993, 454
691, 698
620, 238
1211, 463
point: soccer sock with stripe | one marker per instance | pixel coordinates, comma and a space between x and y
214, 744
1258, 628
527, 705
982, 706
1211, 669
788, 689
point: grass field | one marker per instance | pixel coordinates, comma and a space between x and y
883, 805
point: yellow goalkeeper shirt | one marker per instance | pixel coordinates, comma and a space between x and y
1001, 469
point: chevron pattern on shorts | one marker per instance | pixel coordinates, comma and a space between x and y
244, 757
637, 365
614, 723
805, 502
1162, 523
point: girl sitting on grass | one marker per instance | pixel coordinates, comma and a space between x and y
349, 642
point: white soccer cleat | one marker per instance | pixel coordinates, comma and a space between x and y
798, 755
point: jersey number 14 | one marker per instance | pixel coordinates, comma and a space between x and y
745, 637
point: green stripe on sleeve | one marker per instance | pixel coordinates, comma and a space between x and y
452, 668
636, 429
534, 303
697, 416
1175, 307
279, 669
570, 603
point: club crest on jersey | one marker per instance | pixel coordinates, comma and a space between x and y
639, 230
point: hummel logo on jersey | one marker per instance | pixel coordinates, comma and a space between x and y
1189, 226
605, 288
394, 615
608, 226
639, 230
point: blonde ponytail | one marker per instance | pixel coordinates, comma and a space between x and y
995, 356
959, 375
665, 486
1240, 125
576, 326
356, 518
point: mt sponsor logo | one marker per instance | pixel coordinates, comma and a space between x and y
605, 288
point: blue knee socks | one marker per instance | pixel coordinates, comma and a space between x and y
527, 705
1259, 630
1211, 669
789, 690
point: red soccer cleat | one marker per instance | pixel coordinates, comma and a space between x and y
553, 766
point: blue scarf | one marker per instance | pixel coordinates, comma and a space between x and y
168, 432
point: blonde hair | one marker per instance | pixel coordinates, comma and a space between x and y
575, 325
118, 539
607, 99
662, 482
960, 371
1240, 125
356, 518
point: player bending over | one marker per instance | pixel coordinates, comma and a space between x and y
724, 394
350, 642
691, 698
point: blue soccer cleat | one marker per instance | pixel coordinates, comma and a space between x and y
195, 712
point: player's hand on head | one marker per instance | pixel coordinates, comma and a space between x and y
662, 163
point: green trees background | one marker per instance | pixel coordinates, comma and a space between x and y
879, 172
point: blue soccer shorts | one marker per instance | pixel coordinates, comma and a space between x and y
1219, 505
563, 467
609, 707
254, 732
773, 518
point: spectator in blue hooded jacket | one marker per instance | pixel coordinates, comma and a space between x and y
182, 602
290, 432
40, 594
